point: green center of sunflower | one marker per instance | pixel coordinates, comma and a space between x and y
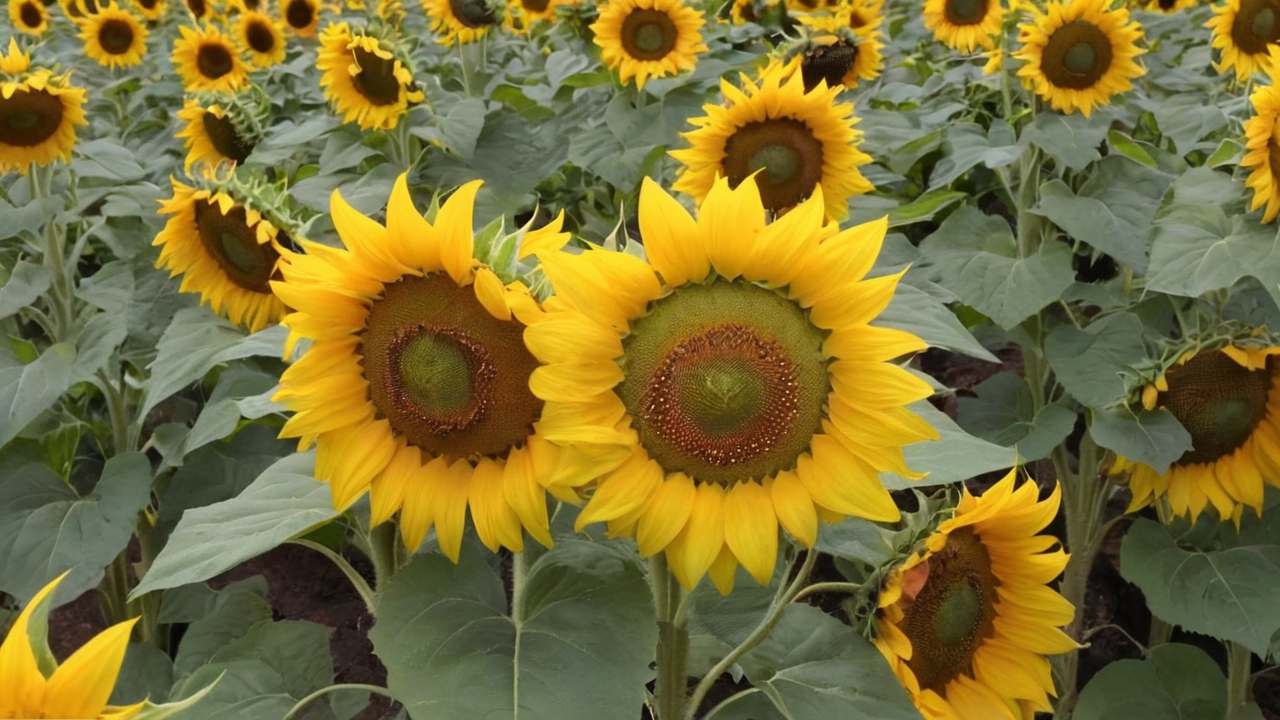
299, 14
953, 613
447, 375
29, 117
648, 34
1219, 402
472, 13
785, 141
376, 80
965, 12
258, 36
226, 139
115, 36
724, 382
1264, 23
214, 60
1255, 26
30, 16
828, 62
1077, 55
233, 244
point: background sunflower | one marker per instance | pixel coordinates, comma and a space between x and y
1246, 32
460, 21
363, 80
260, 37
41, 110
644, 39
301, 16
211, 135
29, 16
114, 37
965, 25
206, 59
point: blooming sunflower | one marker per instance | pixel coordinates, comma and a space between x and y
964, 25
1262, 140
1167, 7
1079, 54
415, 387
966, 623
838, 54
801, 141
302, 16
151, 9
364, 81
737, 369
29, 16
225, 251
212, 136
1245, 31
207, 60
522, 14
114, 37
460, 21
38, 113
260, 37
862, 13
645, 39
1229, 401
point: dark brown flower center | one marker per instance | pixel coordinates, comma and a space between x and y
1218, 401
827, 62
214, 60
450, 377
233, 244
199, 8
226, 138
472, 13
115, 36
965, 12
29, 117
1077, 56
31, 16
148, 4
259, 38
535, 6
787, 154
1273, 158
1256, 25
376, 80
648, 34
299, 14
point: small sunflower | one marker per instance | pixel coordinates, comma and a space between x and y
964, 25
1079, 54
1246, 32
114, 37
207, 60
301, 16
225, 251
260, 37
795, 141
862, 13
201, 10
645, 39
460, 21
364, 81
29, 16
38, 113
415, 387
1262, 140
151, 9
966, 623
522, 14
212, 136
738, 371
838, 54
1228, 399
1168, 7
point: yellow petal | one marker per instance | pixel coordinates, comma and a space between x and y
22, 685
666, 514
388, 490
839, 480
496, 522
417, 514
723, 570
671, 240
622, 491
82, 685
794, 508
730, 221
751, 529
409, 236
491, 294
455, 230
449, 506
691, 553
526, 496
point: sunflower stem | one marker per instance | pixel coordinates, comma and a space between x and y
672, 654
298, 706
382, 551
1239, 675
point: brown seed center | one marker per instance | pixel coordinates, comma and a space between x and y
29, 117
1256, 25
472, 13
214, 60
259, 37
787, 154
1219, 402
231, 242
115, 36
966, 12
828, 62
648, 34
30, 15
299, 14
1077, 56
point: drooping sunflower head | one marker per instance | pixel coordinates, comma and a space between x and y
966, 623
260, 37
737, 372
363, 79
835, 53
207, 60
29, 16
39, 112
1262, 140
1228, 400
213, 133
1079, 54
645, 39
151, 9
460, 21
114, 37
1246, 32
226, 251
965, 25
793, 141
301, 16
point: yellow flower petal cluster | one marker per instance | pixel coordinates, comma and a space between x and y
460, 21
260, 37
42, 111
644, 39
29, 16
301, 16
206, 59
843, 55
364, 81
1246, 31
965, 25
114, 37
1262, 156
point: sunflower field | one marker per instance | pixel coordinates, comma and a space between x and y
627, 359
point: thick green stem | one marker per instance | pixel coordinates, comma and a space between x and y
1239, 675
115, 590
672, 655
382, 551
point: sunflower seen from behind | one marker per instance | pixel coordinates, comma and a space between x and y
206, 59
39, 112
737, 370
1079, 54
363, 79
213, 134
114, 37
1246, 32
964, 25
644, 39
793, 141
29, 16
460, 21
260, 37
967, 621
1262, 151
836, 53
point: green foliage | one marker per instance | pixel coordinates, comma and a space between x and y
1174, 682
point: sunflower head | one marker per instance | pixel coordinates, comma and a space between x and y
38, 113
151, 9
260, 37
364, 79
1246, 32
201, 10
523, 14
461, 21
219, 128
644, 39
301, 16
207, 60
29, 16
114, 37
1262, 158
966, 622
832, 51
965, 25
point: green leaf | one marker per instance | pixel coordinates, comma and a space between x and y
29, 217
186, 352
106, 159
958, 456
1004, 413
1231, 594
1186, 118
1072, 139
28, 390
971, 146
1092, 363
284, 502
975, 256
26, 283
147, 672
461, 126
925, 207
917, 312
1154, 437
858, 540
581, 641
1126, 146
46, 529
97, 341
1174, 682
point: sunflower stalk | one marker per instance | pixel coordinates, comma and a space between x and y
672, 655
382, 552
1239, 676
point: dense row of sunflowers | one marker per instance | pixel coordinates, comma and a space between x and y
700, 395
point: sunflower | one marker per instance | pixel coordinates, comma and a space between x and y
302, 16
966, 623
363, 80
802, 141
201, 10
1079, 54
1228, 399
1168, 7
1262, 139
862, 13
212, 136
77, 688
207, 60
225, 251
737, 369
260, 37
38, 113
1245, 31
460, 21
415, 386
645, 39
838, 54
964, 25
522, 14
29, 16
114, 37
